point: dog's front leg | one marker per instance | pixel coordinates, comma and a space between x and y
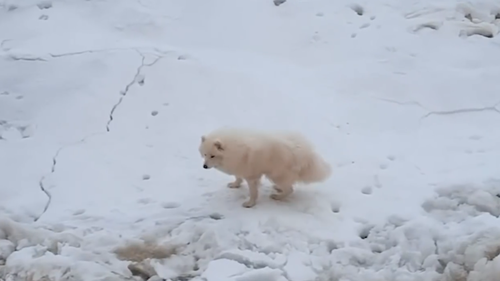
236, 183
253, 187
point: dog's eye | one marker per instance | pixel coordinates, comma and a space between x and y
212, 156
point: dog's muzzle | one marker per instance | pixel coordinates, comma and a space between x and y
205, 166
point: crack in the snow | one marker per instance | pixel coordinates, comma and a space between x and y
25, 58
463, 110
88, 52
127, 87
402, 102
43, 188
123, 93
53, 170
49, 198
137, 49
493, 108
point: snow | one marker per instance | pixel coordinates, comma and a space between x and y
103, 103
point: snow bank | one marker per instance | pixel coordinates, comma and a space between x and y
458, 246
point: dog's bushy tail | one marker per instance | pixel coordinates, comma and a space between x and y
315, 169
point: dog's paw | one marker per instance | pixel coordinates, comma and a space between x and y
277, 188
248, 204
276, 196
234, 185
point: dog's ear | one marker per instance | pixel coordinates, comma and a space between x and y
218, 145
203, 138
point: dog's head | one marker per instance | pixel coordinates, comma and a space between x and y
212, 151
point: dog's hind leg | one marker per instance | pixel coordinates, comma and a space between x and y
236, 183
283, 191
253, 187
283, 185
277, 188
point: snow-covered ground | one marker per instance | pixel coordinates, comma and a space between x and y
103, 103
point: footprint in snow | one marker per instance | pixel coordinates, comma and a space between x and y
335, 207
145, 201
78, 212
44, 5
216, 216
365, 231
358, 9
170, 205
367, 190
364, 25
475, 137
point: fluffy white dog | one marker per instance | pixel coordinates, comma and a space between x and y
285, 158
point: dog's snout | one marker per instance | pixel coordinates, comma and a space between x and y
205, 166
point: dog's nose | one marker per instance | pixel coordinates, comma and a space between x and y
205, 166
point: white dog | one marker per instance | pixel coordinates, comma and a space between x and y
285, 158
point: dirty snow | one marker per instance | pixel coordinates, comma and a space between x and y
103, 102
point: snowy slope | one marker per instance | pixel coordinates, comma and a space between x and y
103, 102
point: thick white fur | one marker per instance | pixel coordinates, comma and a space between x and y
285, 158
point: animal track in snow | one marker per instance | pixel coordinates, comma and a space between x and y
367, 190
11, 7
278, 2
184, 57
475, 137
78, 212
383, 166
145, 201
335, 207
170, 205
391, 157
365, 231
364, 25
358, 9
43, 17
44, 5
216, 216
146, 177
7, 93
154, 113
